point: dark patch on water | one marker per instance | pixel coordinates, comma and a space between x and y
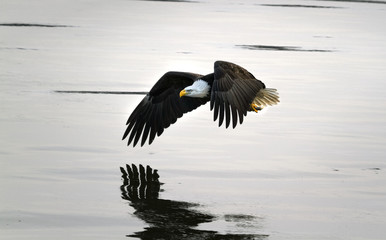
297, 6
168, 0
238, 217
280, 48
375, 168
355, 1
183, 52
32, 25
20, 48
169, 219
372, 169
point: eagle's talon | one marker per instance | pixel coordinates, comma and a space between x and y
255, 108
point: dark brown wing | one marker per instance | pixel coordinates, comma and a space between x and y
233, 90
161, 107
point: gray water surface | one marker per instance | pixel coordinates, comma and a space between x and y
312, 167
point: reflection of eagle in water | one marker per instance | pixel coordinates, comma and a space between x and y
231, 90
170, 219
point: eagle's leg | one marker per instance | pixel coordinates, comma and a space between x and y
255, 107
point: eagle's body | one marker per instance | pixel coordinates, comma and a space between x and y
231, 90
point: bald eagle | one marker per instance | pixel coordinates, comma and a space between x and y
231, 90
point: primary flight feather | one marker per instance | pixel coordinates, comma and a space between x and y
231, 90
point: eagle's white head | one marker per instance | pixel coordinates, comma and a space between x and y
199, 89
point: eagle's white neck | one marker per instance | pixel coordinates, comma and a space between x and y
201, 86
199, 89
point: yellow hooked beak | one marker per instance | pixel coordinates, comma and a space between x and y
182, 93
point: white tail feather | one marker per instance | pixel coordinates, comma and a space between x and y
266, 97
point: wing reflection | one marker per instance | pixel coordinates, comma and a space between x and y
167, 219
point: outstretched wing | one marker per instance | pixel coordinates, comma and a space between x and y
161, 107
233, 90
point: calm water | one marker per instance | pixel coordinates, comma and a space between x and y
312, 167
